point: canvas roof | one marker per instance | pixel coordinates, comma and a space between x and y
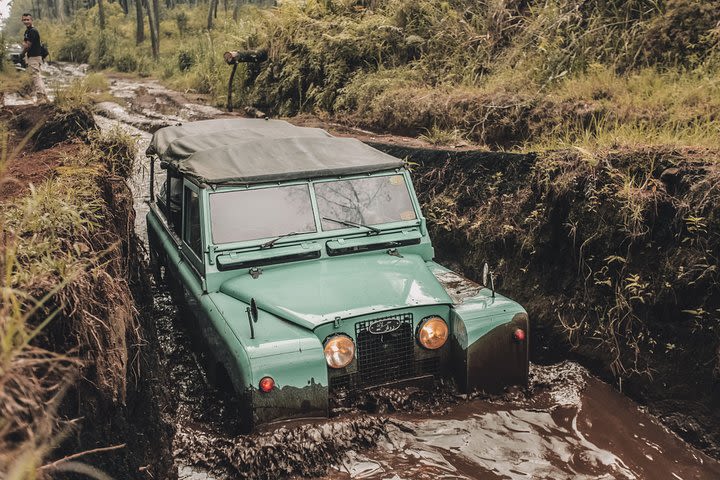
242, 151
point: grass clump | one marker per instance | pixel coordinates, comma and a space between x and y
66, 312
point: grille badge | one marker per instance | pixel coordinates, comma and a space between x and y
384, 326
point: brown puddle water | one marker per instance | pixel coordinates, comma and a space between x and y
572, 426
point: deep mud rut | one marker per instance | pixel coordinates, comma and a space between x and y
566, 425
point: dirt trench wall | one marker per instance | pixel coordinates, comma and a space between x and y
615, 257
100, 397
121, 394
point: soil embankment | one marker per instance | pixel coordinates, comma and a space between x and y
615, 256
68, 233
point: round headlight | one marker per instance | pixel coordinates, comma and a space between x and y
433, 333
339, 351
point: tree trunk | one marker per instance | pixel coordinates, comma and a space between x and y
156, 19
101, 14
154, 39
60, 10
236, 10
139, 24
210, 14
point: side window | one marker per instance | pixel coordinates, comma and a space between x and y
169, 200
191, 230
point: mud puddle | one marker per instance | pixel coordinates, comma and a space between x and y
570, 426
57, 75
567, 425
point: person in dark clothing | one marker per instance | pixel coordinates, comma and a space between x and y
31, 48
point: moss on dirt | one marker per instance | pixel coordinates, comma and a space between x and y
614, 254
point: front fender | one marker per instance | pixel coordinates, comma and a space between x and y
484, 353
291, 355
495, 359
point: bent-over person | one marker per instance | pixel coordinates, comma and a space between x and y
31, 48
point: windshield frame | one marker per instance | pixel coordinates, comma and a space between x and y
319, 234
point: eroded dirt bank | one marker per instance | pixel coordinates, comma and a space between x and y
615, 255
101, 389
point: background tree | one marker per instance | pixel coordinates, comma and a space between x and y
139, 23
101, 14
152, 21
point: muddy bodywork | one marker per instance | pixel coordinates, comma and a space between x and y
266, 308
485, 353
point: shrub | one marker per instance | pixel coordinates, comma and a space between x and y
75, 49
181, 20
185, 61
103, 56
126, 63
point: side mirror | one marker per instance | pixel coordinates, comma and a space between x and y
253, 310
488, 276
164, 165
252, 313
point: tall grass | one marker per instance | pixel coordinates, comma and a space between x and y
50, 268
506, 74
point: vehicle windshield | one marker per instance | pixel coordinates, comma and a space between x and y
242, 215
363, 201
245, 215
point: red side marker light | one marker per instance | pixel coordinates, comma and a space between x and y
519, 335
267, 384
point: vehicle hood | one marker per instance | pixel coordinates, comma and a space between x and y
312, 293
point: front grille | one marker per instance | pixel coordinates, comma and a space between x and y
386, 357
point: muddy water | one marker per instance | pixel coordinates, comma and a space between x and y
567, 425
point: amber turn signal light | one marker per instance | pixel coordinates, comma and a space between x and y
433, 333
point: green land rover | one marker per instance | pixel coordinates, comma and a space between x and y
306, 264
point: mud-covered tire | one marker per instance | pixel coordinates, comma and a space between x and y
176, 291
220, 380
237, 413
155, 259
155, 266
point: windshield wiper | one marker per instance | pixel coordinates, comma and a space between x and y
270, 243
348, 223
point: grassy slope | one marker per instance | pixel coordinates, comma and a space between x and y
515, 74
518, 74
67, 317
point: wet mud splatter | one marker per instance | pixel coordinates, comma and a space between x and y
305, 450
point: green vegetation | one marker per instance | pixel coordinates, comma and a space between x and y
615, 253
510, 74
60, 277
